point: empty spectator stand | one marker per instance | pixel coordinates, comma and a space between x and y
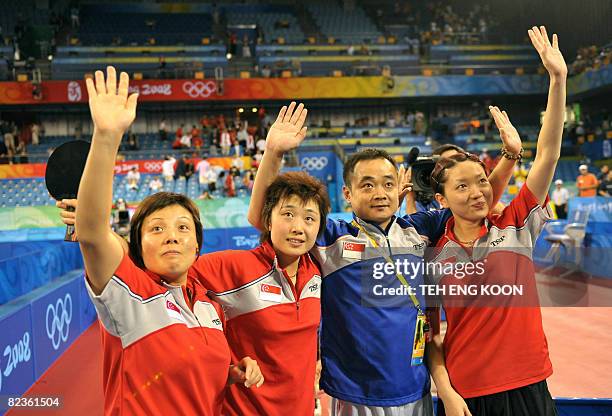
344, 25
138, 24
484, 59
71, 62
24, 192
278, 24
323, 60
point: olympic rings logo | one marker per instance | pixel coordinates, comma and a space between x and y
58, 318
314, 163
153, 166
199, 88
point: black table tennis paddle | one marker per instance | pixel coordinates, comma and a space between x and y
63, 174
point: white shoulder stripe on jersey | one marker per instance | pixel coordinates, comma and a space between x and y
254, 282
121, 283
525, 223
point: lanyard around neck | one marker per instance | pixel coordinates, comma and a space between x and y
388, 259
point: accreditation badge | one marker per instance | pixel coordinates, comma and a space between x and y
421, 331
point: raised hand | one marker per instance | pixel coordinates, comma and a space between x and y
549, 53
111, 109
404, 182
509, 135
288, 130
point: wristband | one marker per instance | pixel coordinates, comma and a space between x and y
512, 156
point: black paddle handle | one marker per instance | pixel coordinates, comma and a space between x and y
70, 231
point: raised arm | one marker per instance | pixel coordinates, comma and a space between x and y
284, 135
112, 112
549, 141
511, 142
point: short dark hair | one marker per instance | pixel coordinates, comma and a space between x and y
154, 203
364, 154
446, 147
439, 176
301, 185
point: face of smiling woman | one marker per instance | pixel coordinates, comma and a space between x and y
294, 225
169, 244
467, 191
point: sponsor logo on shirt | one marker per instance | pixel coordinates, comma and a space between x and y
497, 242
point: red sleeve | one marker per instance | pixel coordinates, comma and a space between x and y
525, 211
136, 279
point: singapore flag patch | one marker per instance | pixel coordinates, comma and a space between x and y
270, 292
352, 250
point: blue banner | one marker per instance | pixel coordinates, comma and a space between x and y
243, 238
600, 208
25, 266
56, 323
321, 165
16, 351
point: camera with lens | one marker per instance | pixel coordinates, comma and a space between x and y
421, 174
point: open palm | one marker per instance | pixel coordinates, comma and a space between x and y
549, 53
111, 109
509, 134
288, 130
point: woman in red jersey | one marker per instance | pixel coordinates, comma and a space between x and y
163, 341
271, 294
494, 359
271, 299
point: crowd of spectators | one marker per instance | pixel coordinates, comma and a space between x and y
220, 135
590, 58
15, 140
450, 26
214, 181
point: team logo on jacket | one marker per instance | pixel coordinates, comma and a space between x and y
352, 250
270, 292
174, 311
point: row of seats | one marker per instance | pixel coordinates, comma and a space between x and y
331, 50
150, 147
14, 196
139, 28
26, 192
309, 60
134, 51
74, 68
273, 25
345, 26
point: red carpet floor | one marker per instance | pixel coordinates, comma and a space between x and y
579, 342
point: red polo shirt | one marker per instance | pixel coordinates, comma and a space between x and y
164, 347
272, 321
496, 347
